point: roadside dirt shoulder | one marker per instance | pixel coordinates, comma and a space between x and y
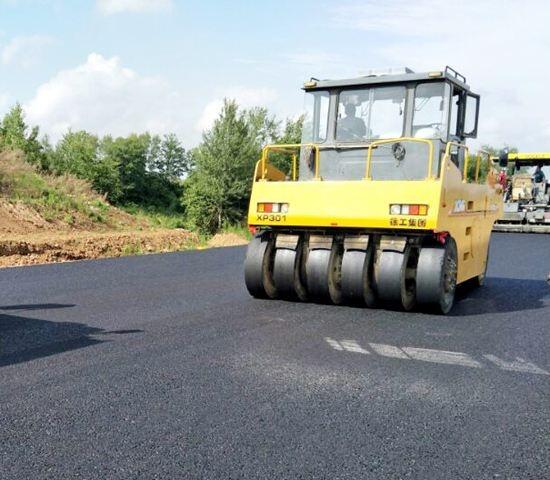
46, 247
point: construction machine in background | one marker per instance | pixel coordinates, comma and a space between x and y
526, 194
377, 205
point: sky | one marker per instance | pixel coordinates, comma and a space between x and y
123, 66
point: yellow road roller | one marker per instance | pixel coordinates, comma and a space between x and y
381, 203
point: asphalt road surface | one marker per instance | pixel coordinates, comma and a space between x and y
163, 367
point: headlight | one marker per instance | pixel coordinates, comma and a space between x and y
395, 209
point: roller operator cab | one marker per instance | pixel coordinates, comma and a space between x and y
381, 203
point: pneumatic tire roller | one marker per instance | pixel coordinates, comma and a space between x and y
361, 214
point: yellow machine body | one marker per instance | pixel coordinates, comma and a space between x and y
466, 210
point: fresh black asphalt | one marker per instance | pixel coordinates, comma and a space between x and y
163, 367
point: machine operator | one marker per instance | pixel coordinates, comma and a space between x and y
351, 127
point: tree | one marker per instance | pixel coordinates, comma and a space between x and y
262, 127
171, 159
14, 129
79, 154
131, 156
13, 135
76, 153
217, 191
291, 134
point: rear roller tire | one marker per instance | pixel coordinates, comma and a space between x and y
288, 274
258, 267
323, 273
395, 274
357, 287
436, 277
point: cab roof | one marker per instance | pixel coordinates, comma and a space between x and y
384, 78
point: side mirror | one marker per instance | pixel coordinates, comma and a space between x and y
503, 159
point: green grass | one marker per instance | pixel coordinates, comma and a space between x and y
155, 217
132, 249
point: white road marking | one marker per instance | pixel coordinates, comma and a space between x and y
518, 365
353, 346
388, 351
334, 344
441, 356
434, 356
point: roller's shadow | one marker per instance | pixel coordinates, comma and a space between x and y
500, 294
23, 338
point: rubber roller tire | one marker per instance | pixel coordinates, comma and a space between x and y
436, 277
395, 283
357, 287
258, 267
323, 274
288, 273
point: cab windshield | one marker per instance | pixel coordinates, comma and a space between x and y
371, 113
343, 122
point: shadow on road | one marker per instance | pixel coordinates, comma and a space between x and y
501, 294
23, 338
36, 306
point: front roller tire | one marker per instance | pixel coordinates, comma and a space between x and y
323, 273
258, 267
357, 285
395, 278
436, 277
288, 274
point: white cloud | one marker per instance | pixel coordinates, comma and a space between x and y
24, 51
501, 46
104, 97
110, 7
245, 98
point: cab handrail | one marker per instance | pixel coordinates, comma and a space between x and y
289, 148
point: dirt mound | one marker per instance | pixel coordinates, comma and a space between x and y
44, 248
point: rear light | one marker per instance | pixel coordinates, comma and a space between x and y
272, 208
407, 209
